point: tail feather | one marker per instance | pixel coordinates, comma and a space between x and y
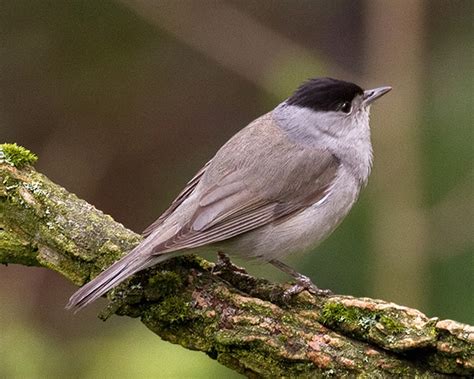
111, 277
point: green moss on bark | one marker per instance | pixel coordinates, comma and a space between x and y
388, 325
16, 156
15, 250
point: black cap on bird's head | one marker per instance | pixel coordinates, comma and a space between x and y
324, 94
328, 94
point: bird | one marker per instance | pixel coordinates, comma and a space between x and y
279, 186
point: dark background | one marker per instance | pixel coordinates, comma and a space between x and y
124, 101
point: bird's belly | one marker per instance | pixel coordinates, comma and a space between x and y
302, 231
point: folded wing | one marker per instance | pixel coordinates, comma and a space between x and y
235, 195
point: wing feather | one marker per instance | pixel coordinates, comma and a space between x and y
234, 196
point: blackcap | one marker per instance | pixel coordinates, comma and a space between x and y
279, 186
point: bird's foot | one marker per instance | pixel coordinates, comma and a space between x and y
303, 283
224, 263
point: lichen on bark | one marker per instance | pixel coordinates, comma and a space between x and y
242, 321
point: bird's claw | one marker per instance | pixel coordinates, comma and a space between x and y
224, 263
304, 283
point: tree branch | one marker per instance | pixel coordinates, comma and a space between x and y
240, 320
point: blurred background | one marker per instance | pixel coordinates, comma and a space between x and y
124, 101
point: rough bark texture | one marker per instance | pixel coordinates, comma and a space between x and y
219, 309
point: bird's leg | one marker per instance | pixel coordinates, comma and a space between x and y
223, 261
302, 282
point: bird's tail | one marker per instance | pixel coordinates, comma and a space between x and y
111, 277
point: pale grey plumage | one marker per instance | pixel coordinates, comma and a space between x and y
280, 185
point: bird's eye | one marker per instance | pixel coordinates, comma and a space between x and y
346, 107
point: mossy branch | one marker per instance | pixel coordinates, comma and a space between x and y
219, 309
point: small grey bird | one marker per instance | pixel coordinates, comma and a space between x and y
279, 186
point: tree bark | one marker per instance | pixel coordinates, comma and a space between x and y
242, 321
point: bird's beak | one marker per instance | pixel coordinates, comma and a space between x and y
371, 95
